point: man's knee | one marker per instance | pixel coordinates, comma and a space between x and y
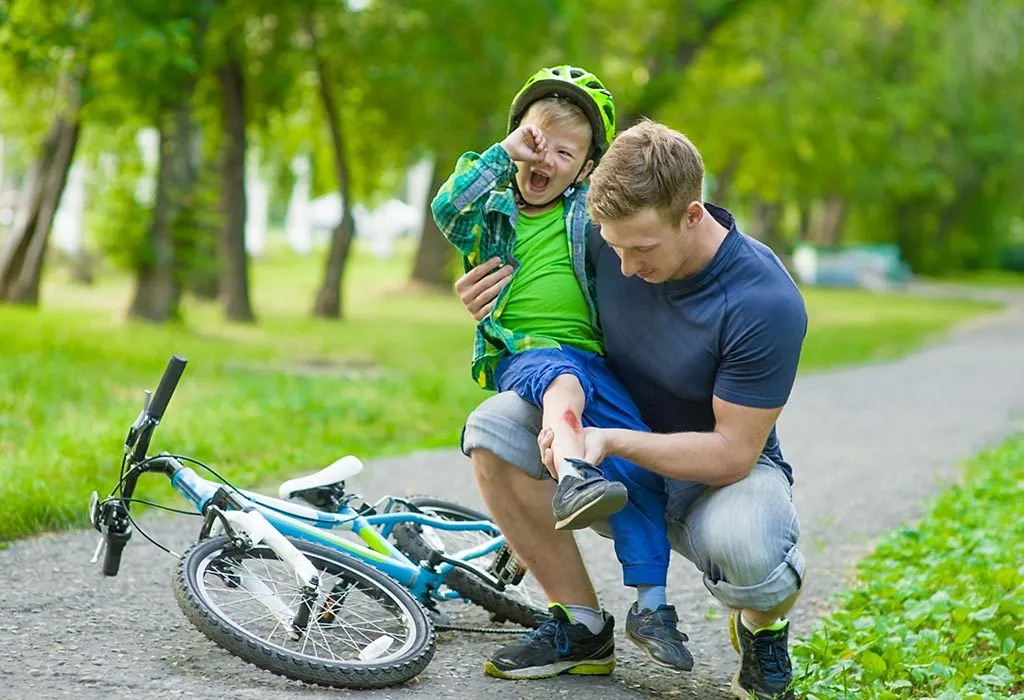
506, 426
746, 536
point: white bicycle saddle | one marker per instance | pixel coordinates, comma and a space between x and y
346, 467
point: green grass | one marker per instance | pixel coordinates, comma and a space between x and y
291, 393
986, 278
939, 608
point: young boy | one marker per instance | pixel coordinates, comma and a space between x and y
522, 200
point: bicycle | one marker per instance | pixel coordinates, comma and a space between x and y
270, 581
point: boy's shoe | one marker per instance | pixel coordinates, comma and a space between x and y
765, 672
557, 646
579, 502
655, 632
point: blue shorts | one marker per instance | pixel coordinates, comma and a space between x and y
639, 529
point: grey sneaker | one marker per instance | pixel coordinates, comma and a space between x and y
579, 502
765, 671
655, 632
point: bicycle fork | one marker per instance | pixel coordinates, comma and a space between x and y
252, 528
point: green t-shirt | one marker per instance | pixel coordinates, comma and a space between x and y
545, 298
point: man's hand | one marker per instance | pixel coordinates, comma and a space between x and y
595, 446
526, 144
478, 288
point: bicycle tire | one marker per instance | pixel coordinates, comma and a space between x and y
409, 539
209, 619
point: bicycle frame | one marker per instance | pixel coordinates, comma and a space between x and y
422, 580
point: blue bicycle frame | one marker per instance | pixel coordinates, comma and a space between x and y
315, 526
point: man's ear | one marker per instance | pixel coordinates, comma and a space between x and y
585, 173
694, 213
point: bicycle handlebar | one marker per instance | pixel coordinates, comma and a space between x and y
168, 383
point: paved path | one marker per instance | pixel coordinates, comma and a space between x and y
868, 445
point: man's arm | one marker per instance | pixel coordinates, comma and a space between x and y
717, 458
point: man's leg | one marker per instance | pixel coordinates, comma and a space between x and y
744, 538
500, 438
521, 505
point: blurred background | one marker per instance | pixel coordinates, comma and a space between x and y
245, 173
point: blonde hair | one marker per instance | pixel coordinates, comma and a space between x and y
649, 166
558, 113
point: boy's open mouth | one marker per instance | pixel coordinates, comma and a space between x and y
538, 182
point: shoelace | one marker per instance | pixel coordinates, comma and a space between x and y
551, 628
772, 658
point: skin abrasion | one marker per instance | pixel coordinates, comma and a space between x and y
570, 418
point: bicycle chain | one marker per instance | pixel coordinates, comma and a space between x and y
483, 630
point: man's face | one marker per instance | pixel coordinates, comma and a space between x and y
648, 247
542, 182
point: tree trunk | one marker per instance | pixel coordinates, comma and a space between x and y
21, 263
768, 216
159, 278
834, 218
234, 261
434, 255
328, 302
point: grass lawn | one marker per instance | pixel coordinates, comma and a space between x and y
290, 393
985, 278
938, 611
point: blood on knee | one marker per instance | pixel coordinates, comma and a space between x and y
570, 418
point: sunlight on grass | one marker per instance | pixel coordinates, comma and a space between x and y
291, 393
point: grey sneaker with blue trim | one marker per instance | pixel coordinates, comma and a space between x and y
579, 502
654, 631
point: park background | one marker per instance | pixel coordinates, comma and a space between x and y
247, 184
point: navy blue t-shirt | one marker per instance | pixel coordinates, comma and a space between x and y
734, 330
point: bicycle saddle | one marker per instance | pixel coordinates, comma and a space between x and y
346, 467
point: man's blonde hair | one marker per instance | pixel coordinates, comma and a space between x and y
648, 166
557, 113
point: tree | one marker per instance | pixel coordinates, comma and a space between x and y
42, 50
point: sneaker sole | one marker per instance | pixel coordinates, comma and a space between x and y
636, 640
591, 667
738, 691
591, 513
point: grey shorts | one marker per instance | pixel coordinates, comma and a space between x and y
742, 537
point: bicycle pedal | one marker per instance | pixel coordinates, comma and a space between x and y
506, 567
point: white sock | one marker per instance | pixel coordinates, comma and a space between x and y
568, 469
582, 615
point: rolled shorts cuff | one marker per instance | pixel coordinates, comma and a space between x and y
644, 575
505, 438
782, 582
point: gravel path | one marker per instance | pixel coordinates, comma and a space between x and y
868, 445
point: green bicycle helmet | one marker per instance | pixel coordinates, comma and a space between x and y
582, 88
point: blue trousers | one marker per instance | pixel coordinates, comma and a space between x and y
639, 529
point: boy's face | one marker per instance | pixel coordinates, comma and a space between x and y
566, 155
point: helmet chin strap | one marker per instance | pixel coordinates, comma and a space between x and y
521, 200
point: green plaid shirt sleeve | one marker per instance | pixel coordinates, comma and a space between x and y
459, 206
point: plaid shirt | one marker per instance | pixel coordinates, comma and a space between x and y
476, 211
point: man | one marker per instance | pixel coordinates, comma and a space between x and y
704, 327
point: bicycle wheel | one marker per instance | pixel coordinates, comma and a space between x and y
516, 604
365, 630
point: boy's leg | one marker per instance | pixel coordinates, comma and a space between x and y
557, 381
500, 438
743, 537
639, 530
582, 495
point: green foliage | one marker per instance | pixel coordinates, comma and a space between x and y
939, 608
265, 402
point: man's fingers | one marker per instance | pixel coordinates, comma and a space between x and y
487, 289
477, 273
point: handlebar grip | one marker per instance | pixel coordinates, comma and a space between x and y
112, 557
168, 383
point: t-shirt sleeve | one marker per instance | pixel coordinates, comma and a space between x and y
761, 344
